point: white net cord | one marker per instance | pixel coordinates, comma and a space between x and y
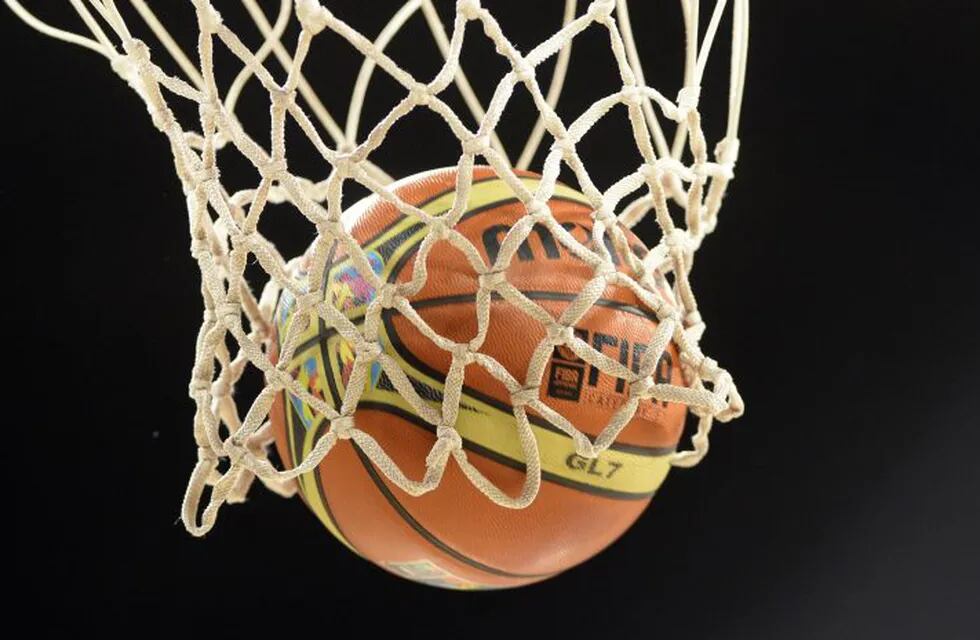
678, 170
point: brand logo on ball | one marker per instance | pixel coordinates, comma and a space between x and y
568, 370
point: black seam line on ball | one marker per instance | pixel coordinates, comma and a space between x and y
425, 533
318, 481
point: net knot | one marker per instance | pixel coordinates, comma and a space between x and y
538, 210
469, 9
234, 450
272, 169
204, 175
420, 94
477, 144
367, 350
438, 229
525, 396
344, 165
309, 300
448, 435
281, 97
463, 353
523, 71
277, 378
631, 94
330, 228
492, 279
198, 387
606, 217
137, 51
342, 427
605, 269
651, 170
687, 101
677, 239
707, 368
312, 16
642, 388
229, 313
559, 334
387, 295
565, 144
600, 10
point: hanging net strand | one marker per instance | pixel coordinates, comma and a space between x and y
679, 169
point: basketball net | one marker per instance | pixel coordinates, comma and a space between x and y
679, 173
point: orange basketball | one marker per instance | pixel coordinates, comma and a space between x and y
454, 536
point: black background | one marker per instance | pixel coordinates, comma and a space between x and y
840, 289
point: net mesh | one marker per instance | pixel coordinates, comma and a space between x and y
233, 433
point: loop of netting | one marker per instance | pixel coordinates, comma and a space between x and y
225, 237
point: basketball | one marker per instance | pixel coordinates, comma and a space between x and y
454, 536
